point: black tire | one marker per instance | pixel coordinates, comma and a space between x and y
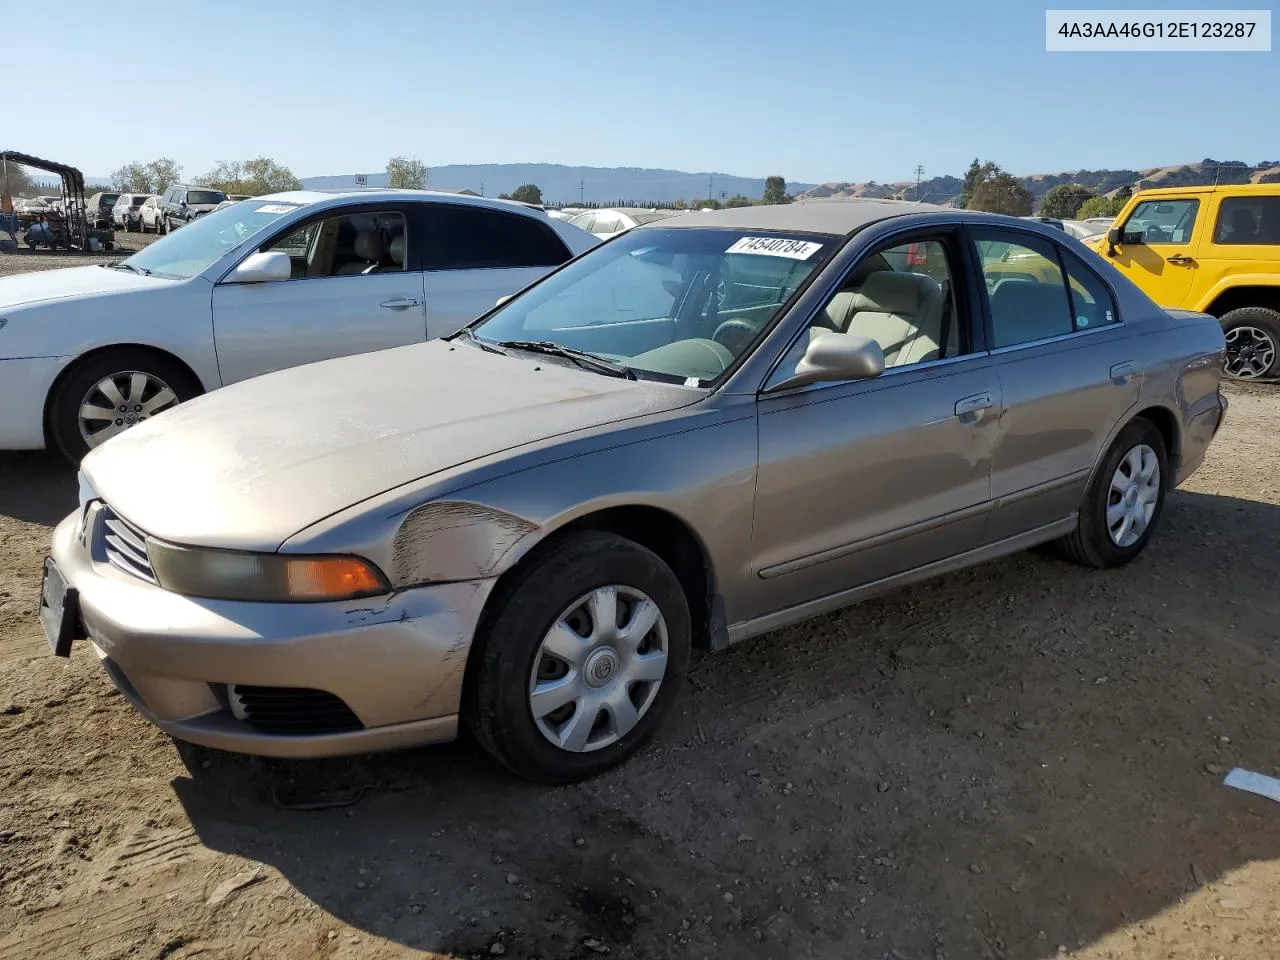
1090, 544
496, 696
64, 403
1261, 319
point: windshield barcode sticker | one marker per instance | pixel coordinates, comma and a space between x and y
776, 247
277, 208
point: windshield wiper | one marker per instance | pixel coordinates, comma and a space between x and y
588, 361
129, 266
482, 344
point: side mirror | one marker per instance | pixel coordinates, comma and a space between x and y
1115, 235
502, 300
262, 268
835, 356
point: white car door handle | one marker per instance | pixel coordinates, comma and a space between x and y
401, 303
970, 408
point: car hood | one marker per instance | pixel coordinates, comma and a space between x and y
253, 464
65, 284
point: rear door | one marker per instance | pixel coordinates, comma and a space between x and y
1068, 372
356, 287
475, 255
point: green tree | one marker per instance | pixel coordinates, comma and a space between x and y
738, 200
527, 193
1065, 201
1002, 194
976, 175
153, 177
711, 202
406, 173
14, 181
253, 177
1124, 193
775, 191
1100, 207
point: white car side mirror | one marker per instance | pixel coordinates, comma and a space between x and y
262, 267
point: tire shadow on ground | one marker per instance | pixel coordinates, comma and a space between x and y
36, 487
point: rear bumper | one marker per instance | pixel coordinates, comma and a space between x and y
395, 662
24, 386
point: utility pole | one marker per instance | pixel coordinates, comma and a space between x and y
582, 189
919, 176
709, 193
482, 188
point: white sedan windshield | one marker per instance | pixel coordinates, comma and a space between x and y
678, 304
193, 248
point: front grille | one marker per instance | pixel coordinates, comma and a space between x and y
126, 546
291, 711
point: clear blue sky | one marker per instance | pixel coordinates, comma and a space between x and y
814, 90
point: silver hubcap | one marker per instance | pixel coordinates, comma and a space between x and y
598, 669
1250, 352
120, 401
1135, 488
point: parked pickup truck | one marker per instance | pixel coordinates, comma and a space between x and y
1212, 249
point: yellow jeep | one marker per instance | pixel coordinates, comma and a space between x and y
1213, 249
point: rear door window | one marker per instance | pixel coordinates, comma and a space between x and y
473, 238
1248, 220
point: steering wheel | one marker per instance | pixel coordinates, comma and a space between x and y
734, 335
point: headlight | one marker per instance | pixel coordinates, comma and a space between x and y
263, 577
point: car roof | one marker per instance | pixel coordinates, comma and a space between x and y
375, 194
1265, 189
828, 215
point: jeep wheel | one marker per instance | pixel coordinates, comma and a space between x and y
1253, 343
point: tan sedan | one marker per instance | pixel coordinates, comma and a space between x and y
705, 429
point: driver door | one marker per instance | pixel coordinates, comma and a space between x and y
1160, 238
863, 479
356, 287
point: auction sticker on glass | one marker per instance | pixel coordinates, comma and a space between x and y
1217, 31
776, 247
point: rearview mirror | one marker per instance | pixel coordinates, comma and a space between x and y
262, 268
833, 356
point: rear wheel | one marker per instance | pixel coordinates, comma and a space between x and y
580, 660
109, 392
1253, 343
1123, 502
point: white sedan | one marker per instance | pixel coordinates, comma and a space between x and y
264, 284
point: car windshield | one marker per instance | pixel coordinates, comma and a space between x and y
670, 304
205, 196
199, 244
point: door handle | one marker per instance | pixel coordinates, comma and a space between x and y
401, 303
1122, 373
1179, 259
970, 408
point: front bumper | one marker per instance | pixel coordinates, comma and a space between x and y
24, 386
395, 662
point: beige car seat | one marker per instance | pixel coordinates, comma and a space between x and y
900, 311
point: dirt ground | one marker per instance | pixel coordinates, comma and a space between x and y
1022, 760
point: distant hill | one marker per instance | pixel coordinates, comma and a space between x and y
946, 189
563, 184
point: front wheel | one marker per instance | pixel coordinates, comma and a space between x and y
580, 660
111, 391
1123, 501
1253, 343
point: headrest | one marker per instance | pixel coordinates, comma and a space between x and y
396, 250
886, 291
368, 245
